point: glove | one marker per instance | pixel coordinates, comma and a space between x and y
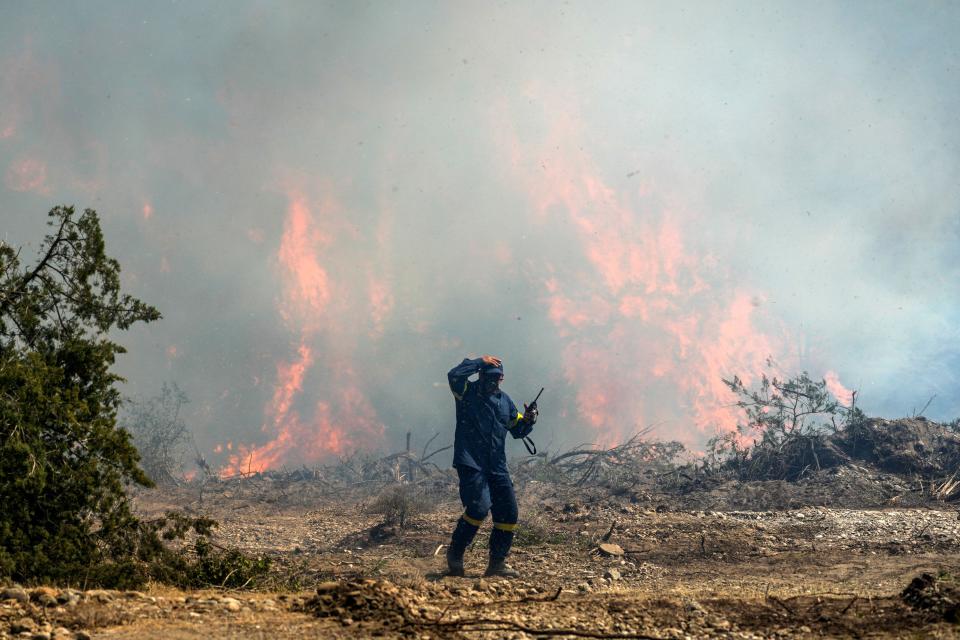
530, 414
525, 426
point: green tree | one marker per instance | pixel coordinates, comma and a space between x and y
64, 464
782, 409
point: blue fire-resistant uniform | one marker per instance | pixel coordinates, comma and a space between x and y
483, 421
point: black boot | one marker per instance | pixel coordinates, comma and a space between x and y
500, 569
455, 563
461, 539
500, 543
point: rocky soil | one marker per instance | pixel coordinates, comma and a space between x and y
595, 563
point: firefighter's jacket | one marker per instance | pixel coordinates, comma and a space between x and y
483, 421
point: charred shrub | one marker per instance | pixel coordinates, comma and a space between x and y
620, 468
535, 532
398, 504
159, 433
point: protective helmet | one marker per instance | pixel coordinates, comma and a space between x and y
491, 371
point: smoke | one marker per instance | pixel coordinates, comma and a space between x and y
333, 204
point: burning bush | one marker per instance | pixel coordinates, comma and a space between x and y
790, 421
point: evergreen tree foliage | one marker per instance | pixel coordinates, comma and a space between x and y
64, 464
785, 434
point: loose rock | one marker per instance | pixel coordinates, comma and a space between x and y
15, 593
231, 604
610, 549
23, 624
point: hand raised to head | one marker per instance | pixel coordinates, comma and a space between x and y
492, 360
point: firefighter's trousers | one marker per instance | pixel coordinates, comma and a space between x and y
482, 492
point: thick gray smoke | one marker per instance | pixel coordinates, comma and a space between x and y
623, 200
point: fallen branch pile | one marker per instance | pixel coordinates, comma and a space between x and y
587, 464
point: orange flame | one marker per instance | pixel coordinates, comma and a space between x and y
306, 284
342, 419
650, 330
843, 395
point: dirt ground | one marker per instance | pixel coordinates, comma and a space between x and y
664, 572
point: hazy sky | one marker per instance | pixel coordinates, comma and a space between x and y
333, 203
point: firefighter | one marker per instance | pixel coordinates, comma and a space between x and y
485, 415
